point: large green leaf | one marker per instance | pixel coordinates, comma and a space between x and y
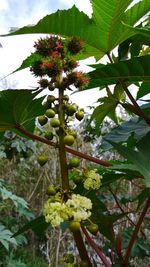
107, 108
108, 16
139, 158
136, 69
103, 32
27, 62
69, 22
137, 11
143, 90
143, 30
105, 222
138, 129
38, 225
18, 107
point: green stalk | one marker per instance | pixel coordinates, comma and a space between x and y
64, 174
62, 152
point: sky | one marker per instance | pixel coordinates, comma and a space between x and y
18, 13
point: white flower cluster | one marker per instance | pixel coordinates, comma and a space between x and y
76, 207
93, 180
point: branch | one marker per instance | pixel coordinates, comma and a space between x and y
135, 233
135, 104
139, 111
119, 206
68, 149
81, 248
96, 248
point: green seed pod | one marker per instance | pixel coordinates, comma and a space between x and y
42, 120
69, 140
79, 115
51, 98
49, 135
74, 226
74, 162
55, 122
50, 113
42, 160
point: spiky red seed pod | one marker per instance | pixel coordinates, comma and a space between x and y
44, 83
75, 45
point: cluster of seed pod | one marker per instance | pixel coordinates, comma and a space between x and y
56, 67
51, 116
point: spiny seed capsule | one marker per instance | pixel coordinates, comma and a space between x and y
74, 162
49, 135
51, 98
42, 120
74, 226
50, 113
55, 122
69, 140
42, 160
93, 228
71, 109
79, 115
51, 190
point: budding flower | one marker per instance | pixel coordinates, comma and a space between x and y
76, 207
93, 180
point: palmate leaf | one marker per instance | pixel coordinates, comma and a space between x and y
136, 69
139, 158
133, 127
38, 225
103, 32
105, 222
143, 30
108, 16
107, 108
18, 107
69, 22
143, 90
27, 62
6, 237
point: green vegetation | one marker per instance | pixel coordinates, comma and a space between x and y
107, 199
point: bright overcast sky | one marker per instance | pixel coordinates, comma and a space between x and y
18, 13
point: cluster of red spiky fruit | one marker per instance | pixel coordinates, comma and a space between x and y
56, 66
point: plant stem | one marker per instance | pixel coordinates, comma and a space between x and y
81, 247
135, 233
68, 149
139, 111
96, 248
118, 204
135, 104
62, 152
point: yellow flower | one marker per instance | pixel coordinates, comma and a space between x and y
93, 180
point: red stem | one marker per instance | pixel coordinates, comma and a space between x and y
139, 111
68, 149
81, 247
96, 248
135, 233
